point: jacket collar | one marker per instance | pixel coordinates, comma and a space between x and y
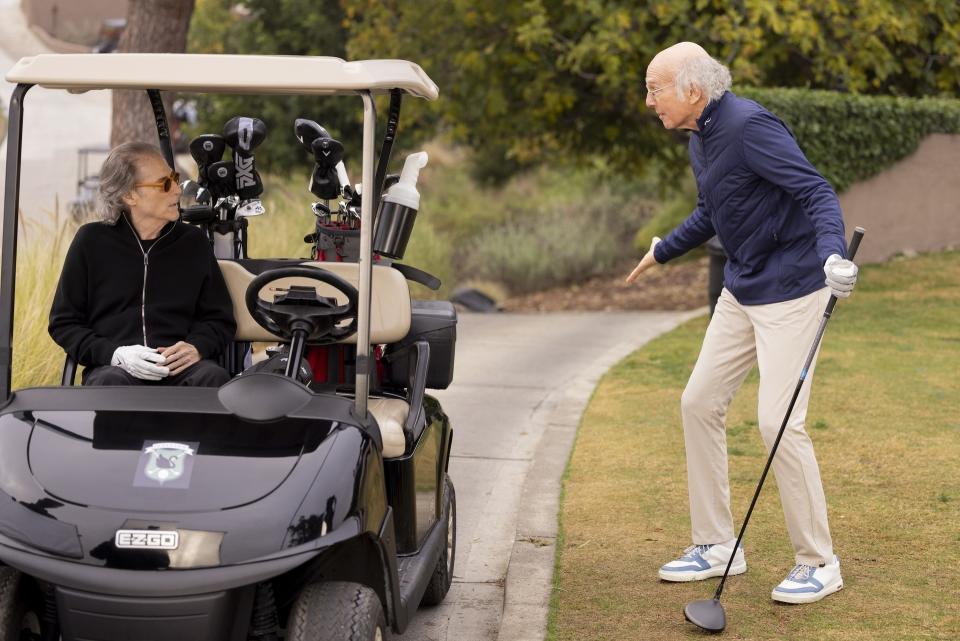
164, 231
709, 114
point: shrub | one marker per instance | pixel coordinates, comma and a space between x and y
565, 245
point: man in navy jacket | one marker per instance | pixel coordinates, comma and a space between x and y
780, 223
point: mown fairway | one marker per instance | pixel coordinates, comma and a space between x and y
885, 420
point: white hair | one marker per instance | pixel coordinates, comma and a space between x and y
705, 73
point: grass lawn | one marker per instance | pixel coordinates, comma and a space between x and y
885, 420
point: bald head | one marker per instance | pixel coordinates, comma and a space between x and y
671, 59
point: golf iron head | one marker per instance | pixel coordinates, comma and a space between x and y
707, 614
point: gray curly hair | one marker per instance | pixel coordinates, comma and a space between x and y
712, 77
118, 177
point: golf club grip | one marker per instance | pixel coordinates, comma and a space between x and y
855, 242
851, 253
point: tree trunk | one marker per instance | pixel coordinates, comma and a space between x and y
153, 26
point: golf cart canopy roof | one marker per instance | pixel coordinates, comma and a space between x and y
210, 73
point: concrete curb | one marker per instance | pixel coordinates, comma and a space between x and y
529, 581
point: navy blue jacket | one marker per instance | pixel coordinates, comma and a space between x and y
777, 217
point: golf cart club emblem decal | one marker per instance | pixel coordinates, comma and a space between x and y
147, 539
165, 464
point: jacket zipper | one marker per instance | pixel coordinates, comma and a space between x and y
146, 263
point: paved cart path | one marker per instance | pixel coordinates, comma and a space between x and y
521, 383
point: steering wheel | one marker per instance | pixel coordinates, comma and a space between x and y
301, 308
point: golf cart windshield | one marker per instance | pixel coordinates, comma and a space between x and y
278, 75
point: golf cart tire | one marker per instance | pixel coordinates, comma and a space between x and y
443, 574
14, 603
336, 611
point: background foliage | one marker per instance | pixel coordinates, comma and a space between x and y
527, 81
278, 27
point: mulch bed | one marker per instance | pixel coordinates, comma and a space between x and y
675, 286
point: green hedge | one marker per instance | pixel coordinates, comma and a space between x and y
851, 137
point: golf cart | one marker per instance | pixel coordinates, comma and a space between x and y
272, 507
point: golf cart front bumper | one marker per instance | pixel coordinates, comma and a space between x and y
209, 604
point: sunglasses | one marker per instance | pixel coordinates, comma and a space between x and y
166, 183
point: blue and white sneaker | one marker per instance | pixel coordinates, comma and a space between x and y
700, 562
806, 583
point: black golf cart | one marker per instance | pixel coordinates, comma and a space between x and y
272, 507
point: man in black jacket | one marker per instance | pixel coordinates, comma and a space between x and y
141, 297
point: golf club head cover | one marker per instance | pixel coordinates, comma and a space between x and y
325, 181
244, 134
220, 179
206, 149
307, 131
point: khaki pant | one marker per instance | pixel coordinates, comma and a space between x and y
778, 337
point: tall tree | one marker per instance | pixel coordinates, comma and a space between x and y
153, 26
531, 80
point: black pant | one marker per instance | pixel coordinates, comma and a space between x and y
201, 374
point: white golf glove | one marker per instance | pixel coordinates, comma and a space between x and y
841, 275
140, 361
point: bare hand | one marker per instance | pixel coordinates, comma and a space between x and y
645, 263
179, 356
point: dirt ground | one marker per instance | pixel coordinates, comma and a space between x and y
674, 286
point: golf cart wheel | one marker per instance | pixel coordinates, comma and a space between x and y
443, 574
336, 611
18, 620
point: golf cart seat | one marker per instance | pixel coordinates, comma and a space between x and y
389, 323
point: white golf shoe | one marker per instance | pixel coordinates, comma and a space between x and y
700, 562
807, 583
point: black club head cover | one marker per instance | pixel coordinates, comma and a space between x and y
244, 134
220, 179
307, 131
206, 149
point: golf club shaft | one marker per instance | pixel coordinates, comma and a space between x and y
851, 252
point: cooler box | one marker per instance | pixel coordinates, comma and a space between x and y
433, 321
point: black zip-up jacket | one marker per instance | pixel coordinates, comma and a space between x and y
116, 290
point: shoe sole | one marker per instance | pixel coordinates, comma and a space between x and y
807, 597
700, 575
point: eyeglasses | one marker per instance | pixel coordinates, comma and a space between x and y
165, 183
653, 92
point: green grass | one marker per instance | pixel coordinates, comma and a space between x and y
885, 424
37, 360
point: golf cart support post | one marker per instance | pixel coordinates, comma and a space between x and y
276, 75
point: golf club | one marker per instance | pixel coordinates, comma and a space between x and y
708, 614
